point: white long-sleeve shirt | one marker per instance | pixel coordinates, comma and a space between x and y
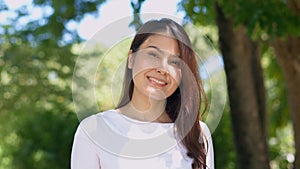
111, 140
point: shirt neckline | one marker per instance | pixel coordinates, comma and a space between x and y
139, 121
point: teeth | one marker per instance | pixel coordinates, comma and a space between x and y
157, 81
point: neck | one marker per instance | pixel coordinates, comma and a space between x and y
146, 109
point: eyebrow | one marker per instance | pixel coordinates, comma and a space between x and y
161, 51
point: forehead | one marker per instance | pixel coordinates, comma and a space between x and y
163, 42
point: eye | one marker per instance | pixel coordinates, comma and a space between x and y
175, 62
153, 54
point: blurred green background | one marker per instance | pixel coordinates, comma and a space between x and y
37, 60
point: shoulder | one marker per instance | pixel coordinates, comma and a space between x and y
205, 130
95, 117
208, 145
96, 128
93, 122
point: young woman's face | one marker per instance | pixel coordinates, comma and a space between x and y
156, 67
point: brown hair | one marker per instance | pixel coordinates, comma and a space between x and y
183, 105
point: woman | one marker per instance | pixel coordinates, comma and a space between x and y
157, 122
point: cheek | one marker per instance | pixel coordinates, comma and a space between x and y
140, 65
176, 75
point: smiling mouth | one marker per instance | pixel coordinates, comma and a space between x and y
157, 82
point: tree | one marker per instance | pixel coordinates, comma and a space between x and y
271, 23
37, 122
276, 23
246, 93
36, 62
245, 85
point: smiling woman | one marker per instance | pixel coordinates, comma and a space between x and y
155, 69
157, 123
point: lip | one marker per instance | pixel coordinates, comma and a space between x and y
156, 81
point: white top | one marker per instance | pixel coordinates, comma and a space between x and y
111, 140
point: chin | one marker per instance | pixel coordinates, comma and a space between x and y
157, 95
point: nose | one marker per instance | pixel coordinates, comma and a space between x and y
162, 68
161, 71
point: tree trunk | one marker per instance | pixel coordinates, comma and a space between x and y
246, 93
288, 56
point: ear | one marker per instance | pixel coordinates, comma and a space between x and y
130, 59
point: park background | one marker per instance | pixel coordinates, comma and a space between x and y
259, 42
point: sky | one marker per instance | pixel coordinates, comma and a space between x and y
116, 9
110, 11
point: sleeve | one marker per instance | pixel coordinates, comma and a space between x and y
84, 154
210, 149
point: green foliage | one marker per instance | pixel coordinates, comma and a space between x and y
199, 11
44, 140
281, 145
263, 19
204, 39
277, 103
102, 70
282, 148
225, 156
36, 69
110, 74
37, 122
272, 17
136, 6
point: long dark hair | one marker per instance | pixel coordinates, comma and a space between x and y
183, 105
